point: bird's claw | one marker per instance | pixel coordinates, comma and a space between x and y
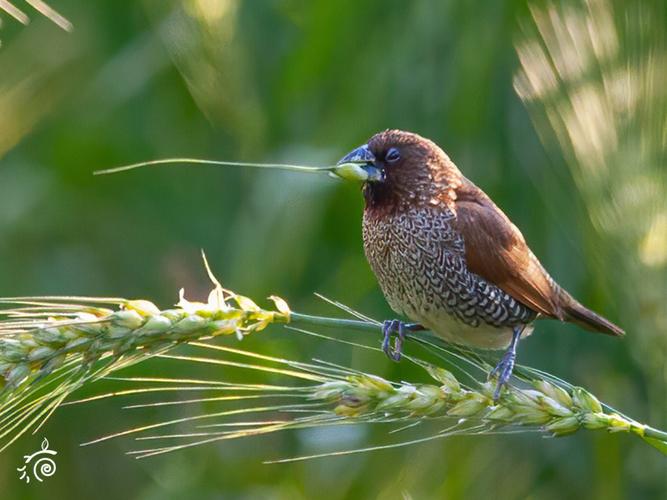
503, 371
389, 328
504, 368
396, 327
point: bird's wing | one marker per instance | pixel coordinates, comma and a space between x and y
496, 250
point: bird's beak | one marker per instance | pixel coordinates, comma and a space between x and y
359, 165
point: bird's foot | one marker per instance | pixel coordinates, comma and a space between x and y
504, 368
503, 371
398, 328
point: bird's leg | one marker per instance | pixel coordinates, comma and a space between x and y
504, 368
395, 326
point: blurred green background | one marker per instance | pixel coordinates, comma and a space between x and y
557, 110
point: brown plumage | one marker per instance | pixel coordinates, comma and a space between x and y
447, 257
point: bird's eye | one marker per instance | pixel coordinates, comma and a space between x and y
392, 155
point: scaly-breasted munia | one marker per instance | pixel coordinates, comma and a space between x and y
447, 257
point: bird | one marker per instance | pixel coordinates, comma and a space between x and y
448, 258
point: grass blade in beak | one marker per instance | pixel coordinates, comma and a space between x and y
198, 161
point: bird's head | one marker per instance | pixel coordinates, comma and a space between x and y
399, 169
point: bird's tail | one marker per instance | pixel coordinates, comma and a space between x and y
587, 319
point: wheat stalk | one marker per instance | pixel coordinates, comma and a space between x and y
338, 395
32, 348
51, 346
